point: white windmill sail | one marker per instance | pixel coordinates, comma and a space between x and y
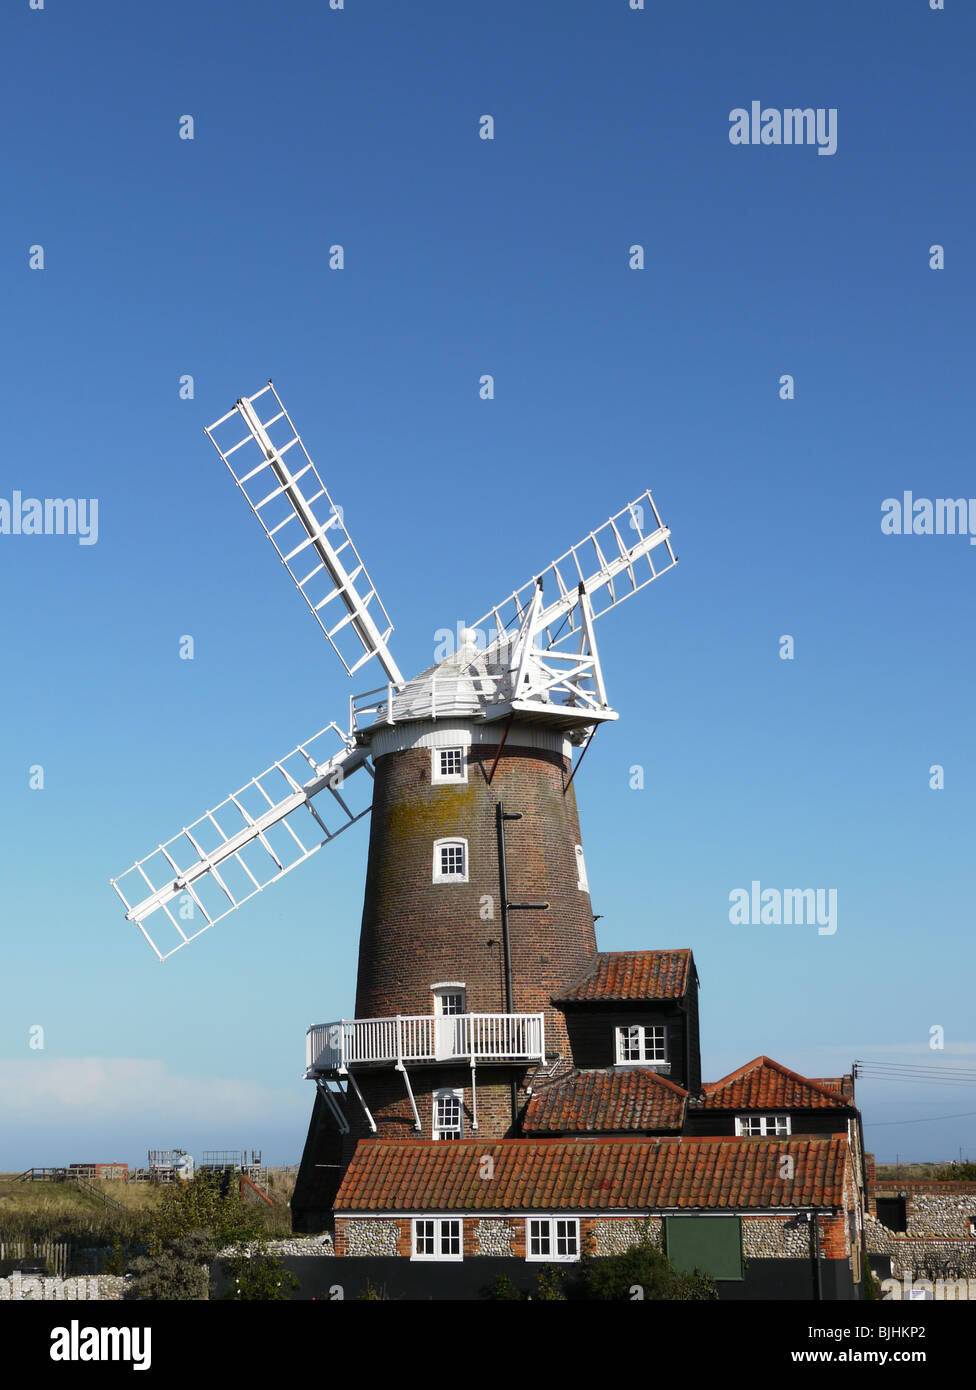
541, 654
254, 837
540, 651
618, 559
286, 494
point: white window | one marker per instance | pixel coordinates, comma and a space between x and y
448, 1114
448, 765
450, 861
552, 1238
641, 1042
449, 999
581, 879
762, 1124
437, 1240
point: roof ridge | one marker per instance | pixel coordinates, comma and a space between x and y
710, 1087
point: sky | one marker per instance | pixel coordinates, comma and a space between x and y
761, 333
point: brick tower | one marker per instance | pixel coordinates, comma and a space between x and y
476, 915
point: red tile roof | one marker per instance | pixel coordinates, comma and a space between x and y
763, 1084
590, 1102
593, 1175
843, 1084
633, 975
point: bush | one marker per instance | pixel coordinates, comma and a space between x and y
872, 1288
549, 1285
371, 1294
643, 1265
260, 1277
202, 1205
179, 1272
957, 1172
503, 1290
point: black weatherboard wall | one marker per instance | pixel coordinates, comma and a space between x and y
592, 1034
321, 1276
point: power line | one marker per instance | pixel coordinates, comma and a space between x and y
926, 1120
907, 1071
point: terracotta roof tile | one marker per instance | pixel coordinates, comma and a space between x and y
843, 1084
763, 1084
632, 975
590, 1102
593, 1175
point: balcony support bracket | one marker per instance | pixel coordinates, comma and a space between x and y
413, 1103
333, 1106
359, 1096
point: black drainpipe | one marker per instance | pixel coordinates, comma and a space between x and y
815, 1257
501, 816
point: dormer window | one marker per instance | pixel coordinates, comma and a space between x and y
762, 1126
448, 765
641, 1042
450, 861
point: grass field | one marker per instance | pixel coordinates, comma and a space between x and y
68, 1211
920, 1172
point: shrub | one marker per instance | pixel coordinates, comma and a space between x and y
260, 1277
957, 1172
503, 1290
643, 1265
178, 1272
202, 1205
549, 1285
872, 1288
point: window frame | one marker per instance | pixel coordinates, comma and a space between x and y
438, 874
442, 779
438, 1235
552, 1237
582, 882
642, 1061
454, 1094
452, 989
764, 1119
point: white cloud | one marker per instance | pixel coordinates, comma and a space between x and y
49, 1090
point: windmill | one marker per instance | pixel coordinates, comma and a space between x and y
447, 984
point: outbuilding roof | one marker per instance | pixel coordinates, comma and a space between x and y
763, 1084
632, 976
607, 1102
607, 1175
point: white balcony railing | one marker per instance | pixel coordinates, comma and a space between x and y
409, 1038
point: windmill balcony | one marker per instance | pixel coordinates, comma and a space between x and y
408, 1039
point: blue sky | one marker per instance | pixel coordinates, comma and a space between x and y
165, 257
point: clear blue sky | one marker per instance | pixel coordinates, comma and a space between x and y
209, 257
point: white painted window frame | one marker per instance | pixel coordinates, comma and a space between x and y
438, 1223
582, 882
447, 990
447, 1093
552, 1230
642, 1061
768, 1126
439, 778
439, 875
